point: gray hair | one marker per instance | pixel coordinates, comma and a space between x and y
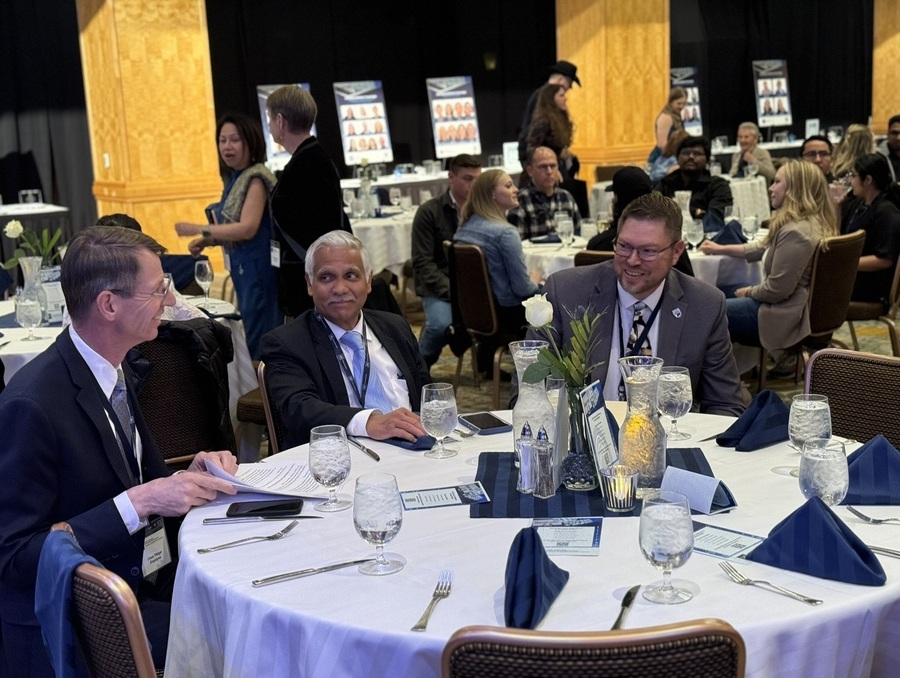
337, 239
752, 127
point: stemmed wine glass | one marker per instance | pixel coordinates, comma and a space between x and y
394, 194
810, 417
377, 517
693, 233
752, 169
823, 470
28, 313
349, 194
675, 398
750, 226
667, 540
565, 228
203, 274
329, 463
439, 417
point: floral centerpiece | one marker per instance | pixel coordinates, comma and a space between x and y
31, 244
367, 171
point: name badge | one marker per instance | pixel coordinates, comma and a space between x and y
275, 253
156, 547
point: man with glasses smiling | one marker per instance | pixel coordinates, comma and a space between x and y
818, 150
709, 195
543, 198
650, 309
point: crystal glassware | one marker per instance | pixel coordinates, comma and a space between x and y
667, 540
752, 169
28, 313
750, 226
329, 463
203, 274
693, 232
675, 398
642, 438
810, 418
394, 195
349, 194
439, 417
377, 517
823, 470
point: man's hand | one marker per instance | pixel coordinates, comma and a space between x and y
176, 495
401, 423
224, 460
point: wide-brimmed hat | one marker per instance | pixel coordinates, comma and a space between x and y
566, 68
630, 183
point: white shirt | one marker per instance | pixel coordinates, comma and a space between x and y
106, 375
626, 319
380, 363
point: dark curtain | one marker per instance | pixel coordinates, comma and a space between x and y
827, 44
44, 140
400, 43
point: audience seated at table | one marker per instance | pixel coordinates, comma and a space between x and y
684, 317
819, 150
542, 198
890, 147
338, 364
709, 194
774, 313
748, 136
552, 127
873, 209
68, 462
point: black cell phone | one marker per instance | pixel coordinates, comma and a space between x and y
265, 509
485, 423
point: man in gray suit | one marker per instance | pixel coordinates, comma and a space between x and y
650, 309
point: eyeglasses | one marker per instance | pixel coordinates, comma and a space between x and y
693, 153
162, 292
644, 253
812, 155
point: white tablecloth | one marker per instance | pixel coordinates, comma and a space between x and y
343, 623
751, 196
388, 239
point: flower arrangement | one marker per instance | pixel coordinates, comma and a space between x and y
367, 171
31, 244
571, 364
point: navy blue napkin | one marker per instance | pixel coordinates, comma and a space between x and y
764, 423
425, 442
215, 316
813, 540
731, 234
546, 239
533, 581
8, 321
712, 222
874, 473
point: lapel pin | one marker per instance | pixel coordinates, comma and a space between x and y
676, 312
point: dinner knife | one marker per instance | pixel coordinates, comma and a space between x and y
627, 601
884, 551
307, 573
358, 445
252, 519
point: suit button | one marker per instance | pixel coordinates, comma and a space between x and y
135, 571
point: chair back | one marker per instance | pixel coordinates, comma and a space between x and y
472, 286
835, 263
182, 387
709, 647
588, 257
273, 419
108, 625
862, 390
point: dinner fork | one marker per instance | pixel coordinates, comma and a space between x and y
246, 540
746, 581
870, 519
463, 433
442, 590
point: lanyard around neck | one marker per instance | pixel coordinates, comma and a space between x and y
342, 360
635, 350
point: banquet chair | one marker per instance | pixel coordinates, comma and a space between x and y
834, 266
588, 257
862, 390
874, 310
707, 647
273, 419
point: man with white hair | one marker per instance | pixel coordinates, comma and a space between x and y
748, 137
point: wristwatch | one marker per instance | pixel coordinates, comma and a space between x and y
205, 232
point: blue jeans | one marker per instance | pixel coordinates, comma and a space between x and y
438, 317
743, 320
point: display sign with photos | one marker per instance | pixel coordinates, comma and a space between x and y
692, 113
276, 155
454, 120
363, 120
773, 102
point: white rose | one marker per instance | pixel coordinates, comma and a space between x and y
13, 229
538, 311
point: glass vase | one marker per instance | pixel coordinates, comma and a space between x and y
532, 404
31, 283
642, 438
578, 472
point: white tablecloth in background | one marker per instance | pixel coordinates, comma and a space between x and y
343, 623
387, 239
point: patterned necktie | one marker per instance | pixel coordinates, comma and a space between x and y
119, 402
375, 395
637, 327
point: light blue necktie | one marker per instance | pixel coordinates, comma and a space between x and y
376, 398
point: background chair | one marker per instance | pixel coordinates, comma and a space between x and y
707, 647
181, 379
862, 392
874, 310
273, 419
588, 257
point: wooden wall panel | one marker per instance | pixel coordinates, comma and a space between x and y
886, 56
622, 53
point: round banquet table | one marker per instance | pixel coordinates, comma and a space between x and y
342, 623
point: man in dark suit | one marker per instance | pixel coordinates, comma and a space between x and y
77, 450
336, 365
684, 317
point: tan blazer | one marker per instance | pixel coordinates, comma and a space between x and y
763, 159
783, 293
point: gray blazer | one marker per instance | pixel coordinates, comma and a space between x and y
693, 330
763, 159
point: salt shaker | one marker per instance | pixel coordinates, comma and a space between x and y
524, 452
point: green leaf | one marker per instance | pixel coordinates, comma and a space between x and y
535, 373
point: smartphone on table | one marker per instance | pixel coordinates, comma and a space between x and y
267, 508
485, 423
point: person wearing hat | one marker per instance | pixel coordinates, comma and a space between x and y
542, 198
561, 73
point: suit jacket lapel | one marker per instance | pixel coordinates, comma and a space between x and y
328, 361
671, 319
603, 300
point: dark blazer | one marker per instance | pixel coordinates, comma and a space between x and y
693, 329
305, 381
60, 462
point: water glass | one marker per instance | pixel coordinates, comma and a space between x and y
667, 541
750, 226
329, 463
675, 398
823, 470
394, 194
377, 517
28, 313
683, 198
588, 228
439, 417
751, 169
349, 194
358, 208
693, 232
204, 274
405, 203
810, 418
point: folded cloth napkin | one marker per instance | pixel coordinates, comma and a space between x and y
764, 423
731, 234
712, 222
225, 316
425, 442
533, 581
546, 239
874, 473
813, 540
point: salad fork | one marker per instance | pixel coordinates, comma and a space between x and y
463, 433
441, 591
246, 540
870, 519
746, 581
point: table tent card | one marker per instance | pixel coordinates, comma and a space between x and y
276, 155
363, 120
773, 103
454, 121
691, 114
